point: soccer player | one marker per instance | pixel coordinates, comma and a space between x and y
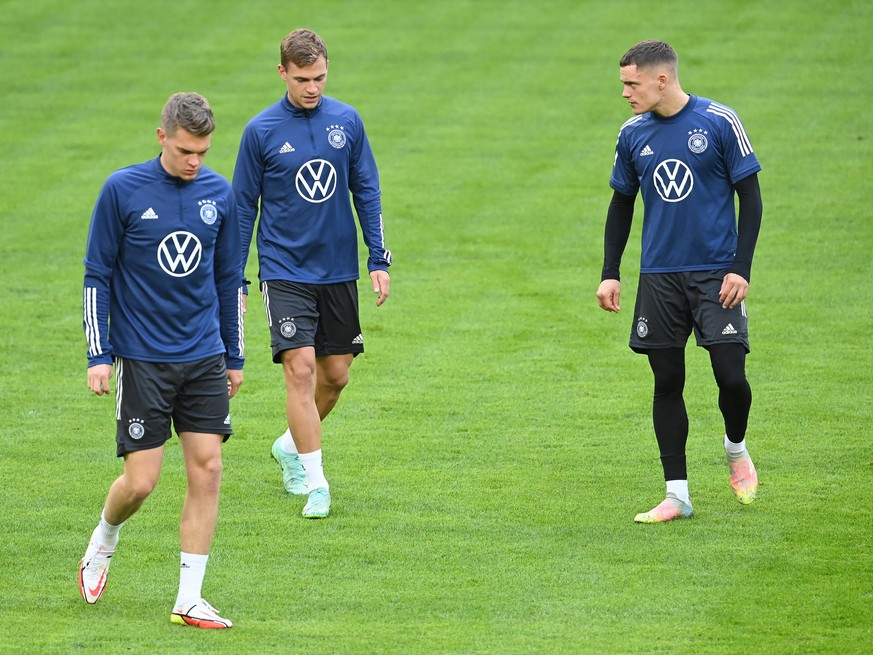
301, 157
163, 301
688, 156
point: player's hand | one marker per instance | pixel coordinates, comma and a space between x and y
244, 306
734, 289
608, 294
98, 378
234, 381
381, 285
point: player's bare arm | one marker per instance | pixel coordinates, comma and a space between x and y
734, 289
608, 294
98, 378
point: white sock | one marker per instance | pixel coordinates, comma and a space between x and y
287, 444
734, 450
679, 488
314, 470
106, 533
191, 571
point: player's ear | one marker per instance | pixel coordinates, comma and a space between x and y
283, 73
161, 136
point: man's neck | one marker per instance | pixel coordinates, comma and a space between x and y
673, 104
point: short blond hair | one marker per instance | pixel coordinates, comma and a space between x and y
190, 112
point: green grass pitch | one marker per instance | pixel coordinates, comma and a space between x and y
495, 442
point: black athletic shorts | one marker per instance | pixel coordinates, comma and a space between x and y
670, 305
149, 394
324, 316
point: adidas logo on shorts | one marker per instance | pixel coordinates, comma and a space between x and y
729, 329
358, 340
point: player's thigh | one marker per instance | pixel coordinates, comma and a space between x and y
662, 317
292, 315
333, 370
142, 469
300, 369
202, 453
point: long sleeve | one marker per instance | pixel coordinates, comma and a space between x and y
619, 218
229, 284
104, 238
367, 197
748, 224
247, 177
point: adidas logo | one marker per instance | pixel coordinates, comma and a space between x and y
149, 213
358, 339
645, 152
286, 148
227, 420
730, 329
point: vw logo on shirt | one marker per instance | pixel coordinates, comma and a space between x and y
179, 253
316, 180
673, 180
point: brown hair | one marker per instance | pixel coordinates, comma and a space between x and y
302, 48
648, 54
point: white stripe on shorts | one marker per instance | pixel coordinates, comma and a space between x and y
119, 386
265, 292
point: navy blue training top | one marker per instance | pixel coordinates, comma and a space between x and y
685, 166
301, 165
163, 278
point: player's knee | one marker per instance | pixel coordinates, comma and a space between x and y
140, 487
668, 368
336, 379
298, 372
212, 466
210, 474
728, 367
333, 374
669, 380
731, 381
669, 384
